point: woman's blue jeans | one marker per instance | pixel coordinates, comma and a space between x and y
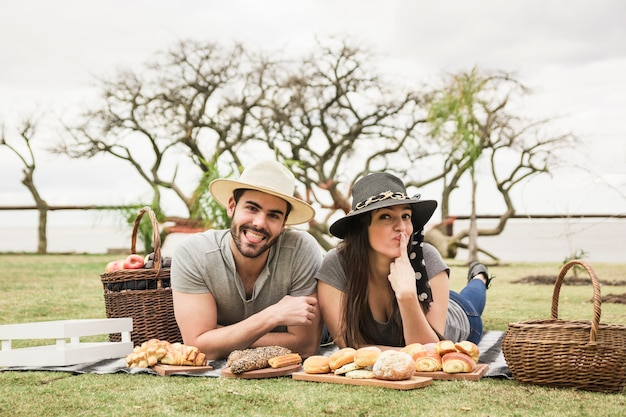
472, 300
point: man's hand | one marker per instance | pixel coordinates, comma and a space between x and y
295, 311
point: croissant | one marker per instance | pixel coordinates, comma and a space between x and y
153, 351
413, 349
179, 354
456, 362
426, 361
444, 346
147, 354
468, 348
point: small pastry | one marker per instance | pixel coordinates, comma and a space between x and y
468, 348
341, 357
366, 356
316, 364
428, 362
456, 362
444, 346
413, 349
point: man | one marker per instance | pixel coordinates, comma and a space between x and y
252, 285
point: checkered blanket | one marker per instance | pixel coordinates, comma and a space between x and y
490, 347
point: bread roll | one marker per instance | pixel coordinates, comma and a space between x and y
456, 362
468, 348
316, 364
341, 357
444, 346
366, 356
413, 349
394, 365
427, 362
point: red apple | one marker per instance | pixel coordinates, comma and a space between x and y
133, 261
114, 265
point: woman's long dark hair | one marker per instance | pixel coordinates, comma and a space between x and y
354, 250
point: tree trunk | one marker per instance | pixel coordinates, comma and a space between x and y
444, 244
473, 227
42, 237
42, 208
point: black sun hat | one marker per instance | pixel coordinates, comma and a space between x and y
380, 190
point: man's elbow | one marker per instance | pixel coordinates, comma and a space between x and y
309, 350
311, 346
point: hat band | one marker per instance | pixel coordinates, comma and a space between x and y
394, 195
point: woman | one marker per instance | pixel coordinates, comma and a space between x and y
383, 285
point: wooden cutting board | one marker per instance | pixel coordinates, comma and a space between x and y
263, 373
475, 375
407, 384
165, 370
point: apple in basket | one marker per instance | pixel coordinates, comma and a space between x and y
115, 265
133, 261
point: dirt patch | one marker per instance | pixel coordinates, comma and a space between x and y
572, 280
569, 280
614, 298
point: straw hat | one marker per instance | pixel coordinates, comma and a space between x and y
380, 190
269, 177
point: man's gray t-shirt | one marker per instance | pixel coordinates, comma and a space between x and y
457, 328
204, 263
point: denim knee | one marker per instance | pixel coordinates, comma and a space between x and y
475, 321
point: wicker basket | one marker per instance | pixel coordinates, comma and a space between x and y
570, 354
143, 294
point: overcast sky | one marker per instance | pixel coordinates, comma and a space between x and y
571, 52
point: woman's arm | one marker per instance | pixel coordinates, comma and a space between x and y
415, 324
330, 300
438, 312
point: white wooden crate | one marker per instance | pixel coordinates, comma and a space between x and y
63, 353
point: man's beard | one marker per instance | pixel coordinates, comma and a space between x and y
250, 251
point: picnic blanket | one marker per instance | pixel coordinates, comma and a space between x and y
490, 347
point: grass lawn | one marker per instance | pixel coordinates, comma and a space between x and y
57, 287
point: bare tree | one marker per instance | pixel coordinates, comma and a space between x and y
472, 119
27, 131
188, 110
330, 115
336, 119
